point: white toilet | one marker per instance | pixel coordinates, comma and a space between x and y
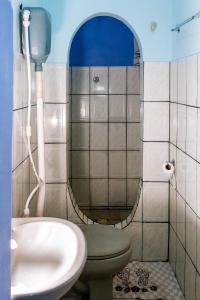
109, 251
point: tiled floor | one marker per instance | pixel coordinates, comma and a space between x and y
146, 281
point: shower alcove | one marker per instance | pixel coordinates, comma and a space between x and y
105, 145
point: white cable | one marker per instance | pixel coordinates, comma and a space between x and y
26, 24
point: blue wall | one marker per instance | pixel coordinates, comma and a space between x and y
6, 65
69, 15
102, 41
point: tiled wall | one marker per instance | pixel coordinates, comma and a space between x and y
149, 228
105, 136
56, 112
185, 192
155, 107
56, 131
23, 180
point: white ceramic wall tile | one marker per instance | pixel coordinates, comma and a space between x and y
133, 136
198, 81
180, 264
80, 80
198, 190
132, 191
192, 80
173, 81
68, 82
190, 280
117, 136
80, 189
142, 81
173, 200
55, 161
181, 213
33, 129
117, 164
197, 286
117, 80
24, 112
172, 249
198, 244
155, 202
172, 157
139, 211
155, 241
134, 164
191, 231
99, 108
156, 128
80, 163
17, 139
98, 136
156, 81
99, 192
117, 192
173, 123
55, 82
172, 215
80, 108
134, 230
98, 164
101, 86
154, 156
191, 133
133, 80
198, 134
181, 173
133, 108
181, 131
191, 183
182, 81
68, 119
55, 123
80, 136
55, 201
117, 108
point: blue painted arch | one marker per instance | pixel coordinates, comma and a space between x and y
102, 40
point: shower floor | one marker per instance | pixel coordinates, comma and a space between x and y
146, 281
107, 216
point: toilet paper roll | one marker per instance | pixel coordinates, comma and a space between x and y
168, 169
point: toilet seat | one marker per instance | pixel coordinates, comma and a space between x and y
105, 242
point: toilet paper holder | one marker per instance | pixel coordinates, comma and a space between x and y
169, 168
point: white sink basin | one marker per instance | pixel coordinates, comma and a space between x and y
48, 256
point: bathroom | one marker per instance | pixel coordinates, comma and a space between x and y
121, 149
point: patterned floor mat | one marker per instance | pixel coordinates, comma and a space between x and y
152, 281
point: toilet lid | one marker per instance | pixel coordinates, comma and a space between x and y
104, 241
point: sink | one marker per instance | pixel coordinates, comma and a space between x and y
47, 257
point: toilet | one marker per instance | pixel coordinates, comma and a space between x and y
108, 252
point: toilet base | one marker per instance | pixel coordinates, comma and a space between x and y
100, 288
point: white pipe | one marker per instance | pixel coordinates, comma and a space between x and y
40, 142
26, 24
